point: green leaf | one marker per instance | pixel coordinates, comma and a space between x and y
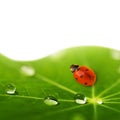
32, 82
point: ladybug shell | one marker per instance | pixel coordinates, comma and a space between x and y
85, 76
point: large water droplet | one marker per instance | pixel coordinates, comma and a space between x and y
80, 99
51, 101
28, 70
11, 89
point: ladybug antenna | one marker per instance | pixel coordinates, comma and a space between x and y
73, 68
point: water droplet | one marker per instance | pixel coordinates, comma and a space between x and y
99, 101
28, 70
80, 99
11, 89
116, 55
51, 101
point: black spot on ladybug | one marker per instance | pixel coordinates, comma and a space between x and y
81, 76
86, 70
85, 83
78, 69
76, 78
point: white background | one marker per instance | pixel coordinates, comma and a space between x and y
30, 29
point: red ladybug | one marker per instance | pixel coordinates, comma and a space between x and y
83, 75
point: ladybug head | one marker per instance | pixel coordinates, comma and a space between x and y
73, 68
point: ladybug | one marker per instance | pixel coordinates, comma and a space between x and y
83, 75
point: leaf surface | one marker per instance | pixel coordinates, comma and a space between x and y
53, 78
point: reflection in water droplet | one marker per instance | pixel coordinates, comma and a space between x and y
116, 55
28, 70
99, 101
11, 89
80, 99
51, 101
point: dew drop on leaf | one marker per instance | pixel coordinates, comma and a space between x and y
80, 99
99, 101
11, 89
51, 101
28, 70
